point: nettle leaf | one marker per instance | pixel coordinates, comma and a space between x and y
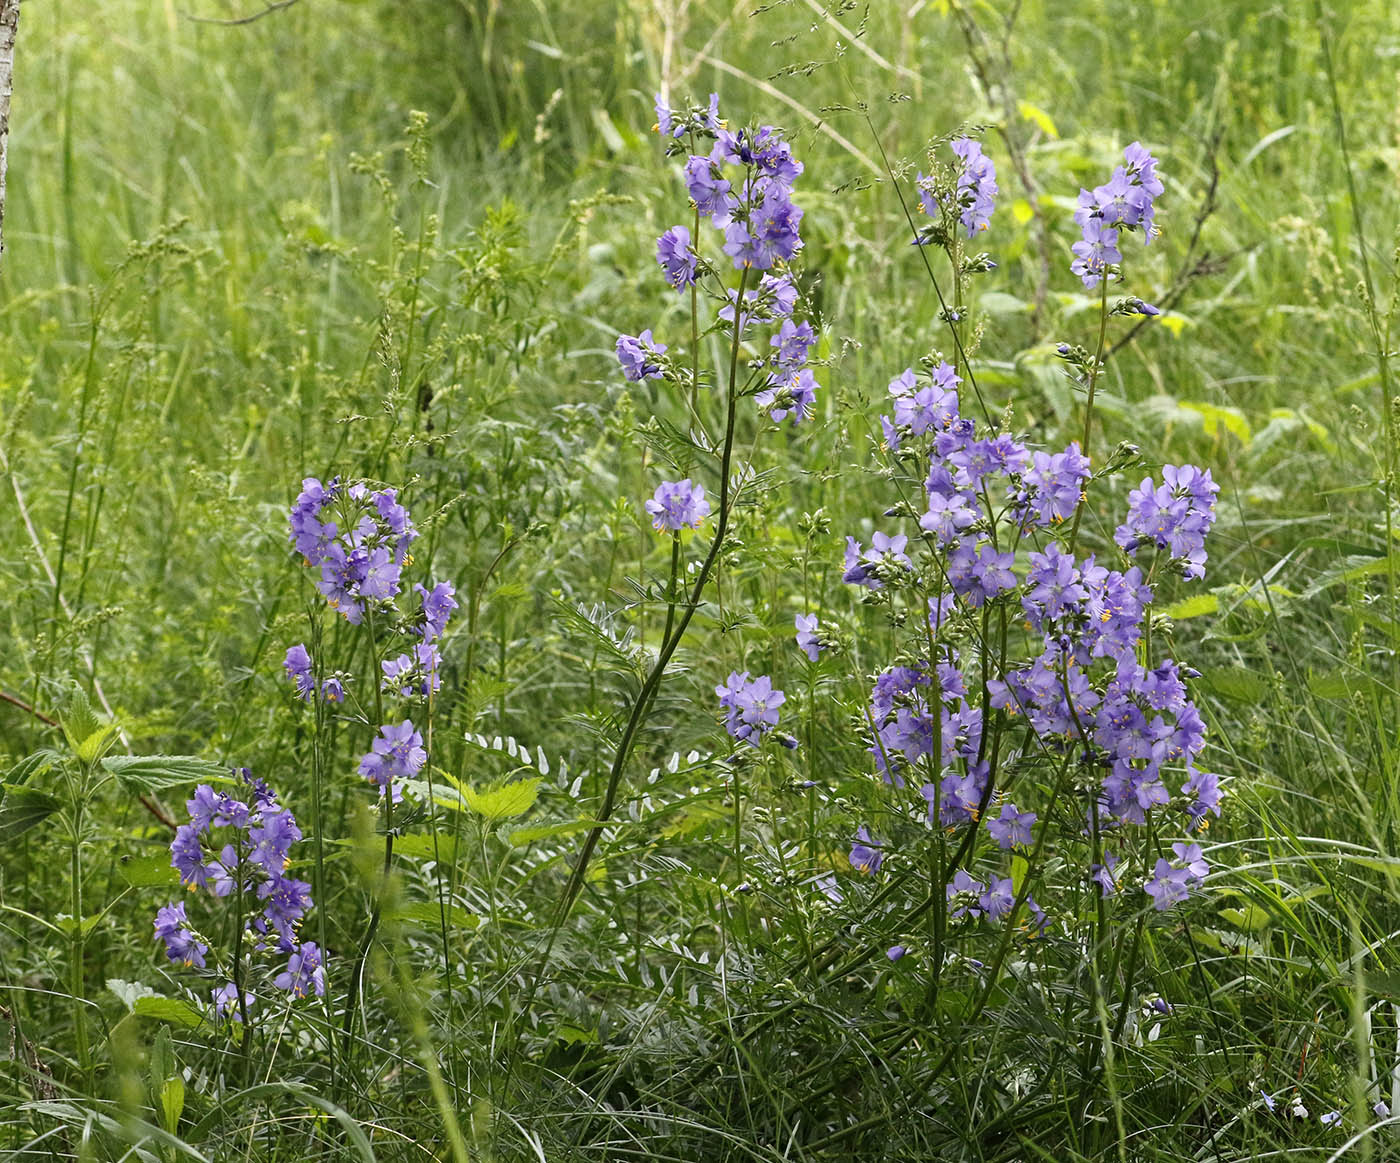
32, 765
1235, 682
501, 803
168, 1009
156, 773
520, 837
22, 808
79, 721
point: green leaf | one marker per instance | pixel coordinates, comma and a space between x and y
78, 720
1250, 919
1235, 682
168, 1009
501, 803
23, 808
129, 992
172, 1101
1000, 303
148, 871
1193, 607
428, 914
1342, 684
32, 765
520, 837
91, 749
419, 845
1215, 418
157, 773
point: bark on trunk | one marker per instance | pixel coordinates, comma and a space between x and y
9, 24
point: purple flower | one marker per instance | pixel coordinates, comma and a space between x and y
438, 604
789, 395
793, 341
396, 754
1011, 827
635, 354
298, 667
1168, 886
1175, 515
750, 705
997, 900
709, 190
884, 558
865, 852
181, 945
304, 973
1103, 875
678, 505
895, 952
977, 185
226, 1001
1095, 252
808, 639
677, 260
962, 892
416, 675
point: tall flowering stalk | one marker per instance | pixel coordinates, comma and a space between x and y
358, 540
741, 182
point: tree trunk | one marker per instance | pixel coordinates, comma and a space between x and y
9, 24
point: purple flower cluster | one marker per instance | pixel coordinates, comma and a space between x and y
414, 675
1125, 201
750, 706
397, 753
298, 666
1175, 515
361, 550
975, 195
678, 505
1090, 694
637, 354
236, 849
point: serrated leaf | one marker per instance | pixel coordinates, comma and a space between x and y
1235, 682
157, 773
168, 1009
428, 914
78, 720
148, 871
32, 765
506, 801
95, 745
520, 837
23, 808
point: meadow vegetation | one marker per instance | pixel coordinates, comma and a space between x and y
632, 904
